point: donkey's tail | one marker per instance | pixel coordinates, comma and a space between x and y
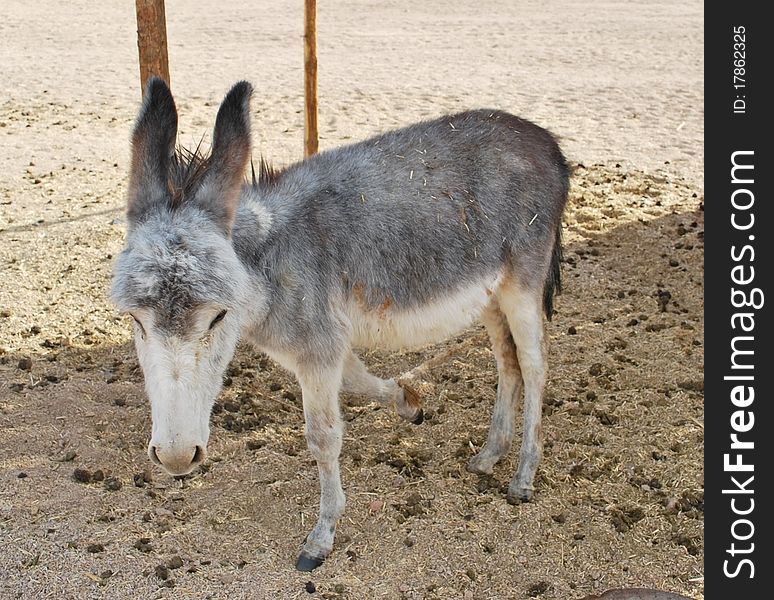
554, 277
553, 283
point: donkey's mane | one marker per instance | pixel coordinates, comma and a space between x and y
186, 171
268, 175
188, 167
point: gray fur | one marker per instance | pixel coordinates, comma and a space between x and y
380, 229
417, 212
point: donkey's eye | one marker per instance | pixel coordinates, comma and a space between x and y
218, 318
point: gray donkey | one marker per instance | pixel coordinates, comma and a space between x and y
400, 240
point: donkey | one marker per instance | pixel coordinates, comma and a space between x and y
396, 241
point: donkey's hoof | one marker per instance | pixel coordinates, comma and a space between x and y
517, 495
409, 406
481, 465
308, 563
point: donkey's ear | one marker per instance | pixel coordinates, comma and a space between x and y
153, 143
230, 155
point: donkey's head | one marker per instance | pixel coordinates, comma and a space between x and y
179, 276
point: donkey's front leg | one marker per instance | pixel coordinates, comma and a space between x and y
324, 431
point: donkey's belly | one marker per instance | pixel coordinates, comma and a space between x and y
391, 327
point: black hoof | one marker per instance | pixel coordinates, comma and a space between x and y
420, 418
308, 563
516, 498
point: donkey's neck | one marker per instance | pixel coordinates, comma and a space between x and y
254, 222
267, 209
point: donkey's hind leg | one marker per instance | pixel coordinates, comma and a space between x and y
509, 386
522, 306
358, 380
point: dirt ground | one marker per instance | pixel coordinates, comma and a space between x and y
619, 494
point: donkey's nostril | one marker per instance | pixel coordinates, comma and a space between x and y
153, 456
198, 456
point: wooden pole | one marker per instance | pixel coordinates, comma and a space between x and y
152, 40
310, 77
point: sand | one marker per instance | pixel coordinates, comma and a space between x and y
620, 490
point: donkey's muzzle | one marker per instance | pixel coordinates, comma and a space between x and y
177, 460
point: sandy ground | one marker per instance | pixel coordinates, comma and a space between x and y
620, 491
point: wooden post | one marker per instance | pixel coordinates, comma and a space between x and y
152, 40
310, 77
